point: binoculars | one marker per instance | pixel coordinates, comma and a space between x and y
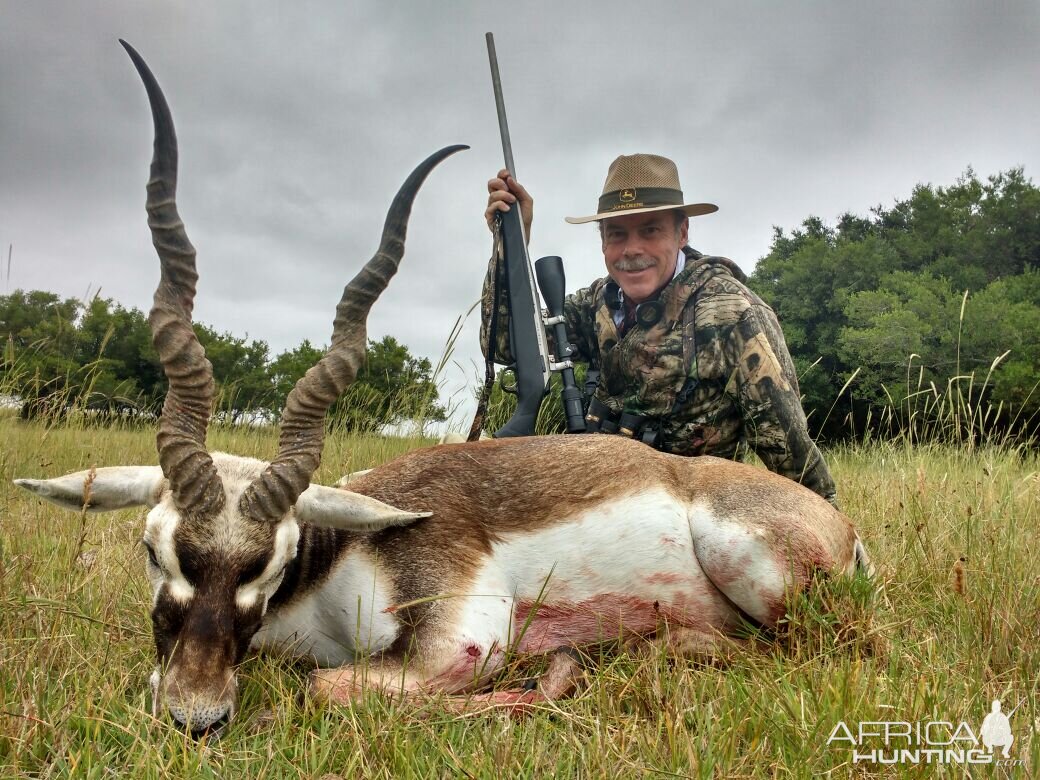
600, 418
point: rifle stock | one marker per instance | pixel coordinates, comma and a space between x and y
526, 331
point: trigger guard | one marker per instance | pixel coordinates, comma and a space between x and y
508, 388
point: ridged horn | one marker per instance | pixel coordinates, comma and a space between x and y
181, 439
272, 494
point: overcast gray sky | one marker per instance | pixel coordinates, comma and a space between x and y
298, 121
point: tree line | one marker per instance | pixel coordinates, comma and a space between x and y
97, 355
926, 310
929, 308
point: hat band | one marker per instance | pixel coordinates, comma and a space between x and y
639, 198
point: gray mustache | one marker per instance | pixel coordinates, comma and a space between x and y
634, 264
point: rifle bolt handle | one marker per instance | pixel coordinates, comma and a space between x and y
559, 365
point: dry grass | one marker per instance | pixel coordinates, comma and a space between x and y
946, 636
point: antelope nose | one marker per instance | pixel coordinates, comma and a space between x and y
200, 719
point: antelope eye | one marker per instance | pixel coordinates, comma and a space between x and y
151, 555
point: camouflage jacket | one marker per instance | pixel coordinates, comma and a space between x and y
717, 344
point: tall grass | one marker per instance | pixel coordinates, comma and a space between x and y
961, 413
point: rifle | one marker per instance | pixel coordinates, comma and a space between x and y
527, 340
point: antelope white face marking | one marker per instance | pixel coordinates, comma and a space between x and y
159, 532
154, 680
285, 540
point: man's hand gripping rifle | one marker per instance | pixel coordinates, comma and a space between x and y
527, 339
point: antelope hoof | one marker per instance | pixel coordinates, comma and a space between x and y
563, 676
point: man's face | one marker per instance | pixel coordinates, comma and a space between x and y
640, 251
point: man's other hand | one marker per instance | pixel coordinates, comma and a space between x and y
503, 192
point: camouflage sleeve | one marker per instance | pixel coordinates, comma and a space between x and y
578, 309
765, 385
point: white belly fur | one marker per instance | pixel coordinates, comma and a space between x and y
623, 569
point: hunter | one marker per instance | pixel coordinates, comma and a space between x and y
688, 358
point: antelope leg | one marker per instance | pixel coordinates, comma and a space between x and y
559, 681
689, 643
346, 684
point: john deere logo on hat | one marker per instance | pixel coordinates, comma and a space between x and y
642, 182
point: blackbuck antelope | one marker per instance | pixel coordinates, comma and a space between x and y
426, 572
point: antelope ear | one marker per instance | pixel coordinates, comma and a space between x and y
101, 490
334, 508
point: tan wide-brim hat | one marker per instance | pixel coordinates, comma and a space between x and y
637, 183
